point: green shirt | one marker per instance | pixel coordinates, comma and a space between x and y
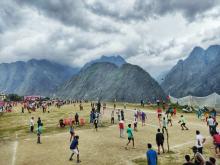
129, 131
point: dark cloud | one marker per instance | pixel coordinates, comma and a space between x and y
143, 10
10, 15
68, 12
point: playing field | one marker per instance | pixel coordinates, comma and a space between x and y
19, 147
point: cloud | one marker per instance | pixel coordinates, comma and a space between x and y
144, 10
153, 34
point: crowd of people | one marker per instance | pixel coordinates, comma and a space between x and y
165, 114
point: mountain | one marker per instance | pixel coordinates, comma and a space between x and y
161, 76
107, 81
37, 77
117, 60
197, 75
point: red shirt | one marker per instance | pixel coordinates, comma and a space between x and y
216, 138
121, 125
159, 111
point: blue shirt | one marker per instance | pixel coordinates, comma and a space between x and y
151, 157
74, 144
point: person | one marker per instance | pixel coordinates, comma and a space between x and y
164, 122
96, 124
212, 160
143, 117
112, 117
121, 128
22, 109
39, 132
130, 136
38, 122
198, 157
61, 123
122, 115
182, 122
188, 160
169, 116
211, 124
174, 111
159, 140
74, 148
135, 122
77, 119
71, 131
200, 140
32, 124
151, 155
216, 141
159, 115
119, 117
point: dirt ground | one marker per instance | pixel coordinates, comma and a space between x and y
103, 147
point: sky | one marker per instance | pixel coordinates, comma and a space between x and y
153, 34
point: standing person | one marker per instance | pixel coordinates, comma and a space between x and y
96, 124
164, 122
119, 117
91, 118
151, 155
38, 122
113, 117
121, 128
143, 117
216, 141
182, 122
71, 131
198, 157
188, 160
32, 124
74, 148
159, 140
122, 115
200, 140
211, 124
39, 132
77, 119
22, 109
169, 117
159, 115
135, 122
130, 136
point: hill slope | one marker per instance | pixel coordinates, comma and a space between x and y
33, 77
107, 81
198, 75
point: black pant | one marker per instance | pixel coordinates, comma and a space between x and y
32, 128
200, 149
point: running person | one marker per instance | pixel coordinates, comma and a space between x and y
74, 148
130, 136
182, 122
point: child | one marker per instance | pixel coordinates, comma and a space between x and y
135, 122
71, 131
39, 132
74, 148
121, 128
96, 124
130, 136
164, 125
182, 122
112, 117
169, 116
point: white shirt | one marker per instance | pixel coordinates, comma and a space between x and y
211, 121
199, 140
31, 122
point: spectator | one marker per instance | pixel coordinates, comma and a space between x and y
188, 160
198, 157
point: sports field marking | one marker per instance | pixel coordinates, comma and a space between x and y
15, 150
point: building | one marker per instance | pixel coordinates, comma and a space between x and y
2, 96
